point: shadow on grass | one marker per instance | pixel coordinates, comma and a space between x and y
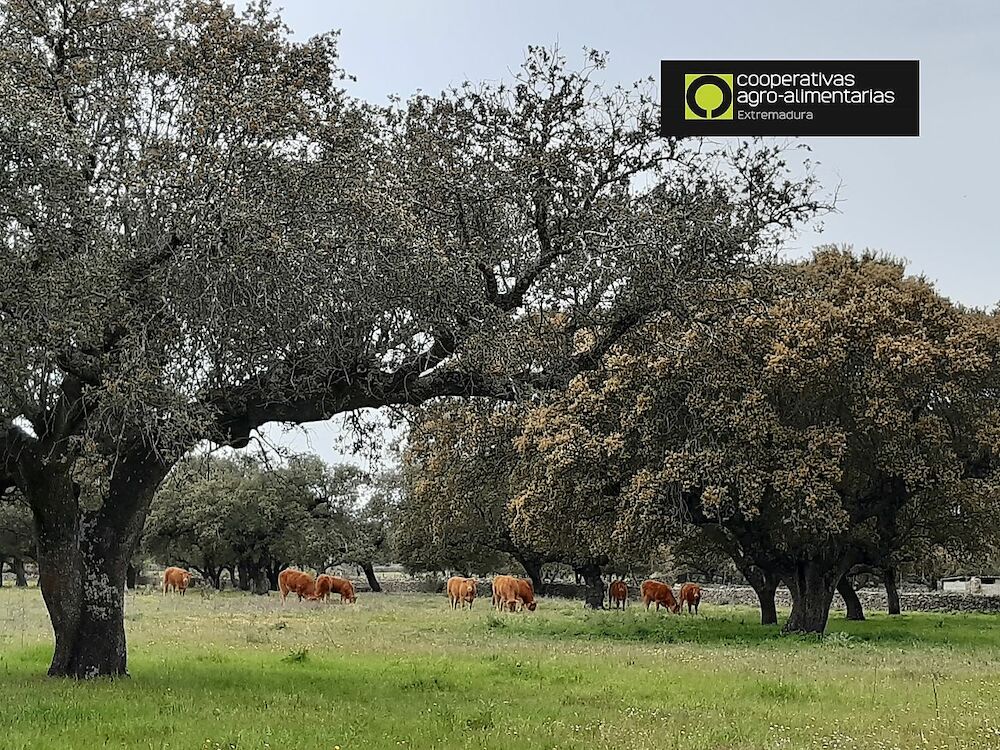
742, 627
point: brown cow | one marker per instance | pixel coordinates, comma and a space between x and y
661, 593
176, 579
461, 591
513, 593
690, 595
296, 582
618, 594
326, 585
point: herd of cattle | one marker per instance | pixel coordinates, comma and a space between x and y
509, 592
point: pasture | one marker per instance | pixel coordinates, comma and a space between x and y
216, 671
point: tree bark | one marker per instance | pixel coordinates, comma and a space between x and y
811, 584
20, 576
891, 591
373, 583
591, 575
846, 590
84, 547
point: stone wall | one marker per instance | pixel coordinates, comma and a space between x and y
873, 600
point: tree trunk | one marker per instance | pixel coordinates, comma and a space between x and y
262, 582
373, 583
131, 576
591, 575
811, 584
20, 577
891, 591
84, 547
247, 574
765, 585
846, 590
272, 575
764, 582
2, 563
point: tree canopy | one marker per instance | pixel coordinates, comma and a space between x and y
808, 430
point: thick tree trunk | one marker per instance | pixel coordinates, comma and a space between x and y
846, 590
891, 591
84, 547
594, 591
811, 584
131, 576
373, 583
20, 576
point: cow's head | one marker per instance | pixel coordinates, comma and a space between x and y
531, 606
676, 608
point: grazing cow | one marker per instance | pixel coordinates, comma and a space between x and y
345, 588
661, 593
296, 582
618, 594
176, 579
691, 595
513, 593
461, 591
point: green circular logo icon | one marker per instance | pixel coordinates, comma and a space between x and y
708, 96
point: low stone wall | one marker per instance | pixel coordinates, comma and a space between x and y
871, 599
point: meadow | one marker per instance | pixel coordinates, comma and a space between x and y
218, 671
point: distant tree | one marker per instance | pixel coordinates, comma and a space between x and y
214, 514
371, 525
17, 537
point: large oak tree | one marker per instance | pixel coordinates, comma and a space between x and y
201, 233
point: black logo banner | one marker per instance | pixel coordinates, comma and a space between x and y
790, 97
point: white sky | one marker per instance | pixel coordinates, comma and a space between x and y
930, 200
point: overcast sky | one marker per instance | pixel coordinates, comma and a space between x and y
930, 200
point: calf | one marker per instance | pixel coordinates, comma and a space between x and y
461, 591
296, 582
690, 595
176, 579
618, 594
656, 591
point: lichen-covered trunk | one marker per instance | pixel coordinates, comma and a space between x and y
373, 583
891, 590
84, 548
811, 583
851, 601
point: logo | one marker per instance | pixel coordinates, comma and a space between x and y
708, 96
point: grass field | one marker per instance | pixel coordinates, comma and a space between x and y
404, 671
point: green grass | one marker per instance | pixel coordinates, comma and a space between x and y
236, 671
